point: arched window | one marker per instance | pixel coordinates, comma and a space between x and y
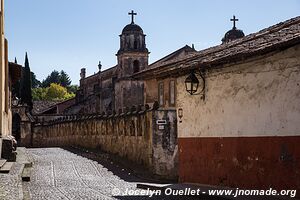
135, 44
136, 66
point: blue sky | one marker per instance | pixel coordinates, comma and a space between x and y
71, 34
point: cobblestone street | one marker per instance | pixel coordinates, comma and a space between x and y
59, 174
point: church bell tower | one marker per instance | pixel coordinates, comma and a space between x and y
133, 54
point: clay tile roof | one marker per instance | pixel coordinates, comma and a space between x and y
104, 74
41, 106
174, 56
281, 35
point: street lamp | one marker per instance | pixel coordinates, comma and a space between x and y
192, 83
15, 101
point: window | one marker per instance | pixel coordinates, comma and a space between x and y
136, 66
161, 94
135, 45
172, 92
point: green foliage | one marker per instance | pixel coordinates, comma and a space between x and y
34, 82
64, 79
69, 96
57, 86
16, 87
26, 95
39, 93
72, 88
54, 92
61, 78
52, 78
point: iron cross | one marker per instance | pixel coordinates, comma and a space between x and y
132, 13
234, 20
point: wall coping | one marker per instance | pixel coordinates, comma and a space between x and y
133, 111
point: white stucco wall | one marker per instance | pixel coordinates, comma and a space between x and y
258, 97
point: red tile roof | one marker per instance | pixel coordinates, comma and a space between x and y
276, 37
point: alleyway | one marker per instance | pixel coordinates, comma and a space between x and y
59, 174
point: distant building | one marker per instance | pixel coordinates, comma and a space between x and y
115, 88
233, 34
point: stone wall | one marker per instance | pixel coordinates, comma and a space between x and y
25, 120
151, 92
165, 148
131, 134
128, 92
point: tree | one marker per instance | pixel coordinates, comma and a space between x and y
52, 78
39, 93
58, 92
61, 78
16, 86
34, 82
72, 88
64, 79
53, 93
26, 95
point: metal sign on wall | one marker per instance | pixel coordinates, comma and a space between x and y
161, 124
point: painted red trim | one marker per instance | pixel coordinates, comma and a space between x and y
243, 162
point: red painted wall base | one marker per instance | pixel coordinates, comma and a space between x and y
243, 162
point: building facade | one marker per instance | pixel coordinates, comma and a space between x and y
113, 89
240, 128
9, 72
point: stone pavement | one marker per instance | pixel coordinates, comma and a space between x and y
10, 187
11, 183
60, 174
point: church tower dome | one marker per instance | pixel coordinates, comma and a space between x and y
133, 54
233, 34
132, 28
132, 38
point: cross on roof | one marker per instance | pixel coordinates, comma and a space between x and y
132, 13
234, 20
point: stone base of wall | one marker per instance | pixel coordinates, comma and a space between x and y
243, 162
8, 149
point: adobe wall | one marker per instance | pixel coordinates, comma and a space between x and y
151, 91
129, 134
246, 133
128, 93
